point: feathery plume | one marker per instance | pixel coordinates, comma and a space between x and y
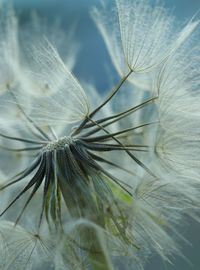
102, 180
140, 36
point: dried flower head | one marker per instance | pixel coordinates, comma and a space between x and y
103, 184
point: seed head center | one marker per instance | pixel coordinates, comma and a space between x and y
58, 144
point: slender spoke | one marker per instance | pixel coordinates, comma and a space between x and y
53, 132
121, 115
35, 132
65, 181
87, 159
103, 160
128, 152
36, 178
21, 149
84, 198
23, 140
20, 176
117, 181
27, 117
101, 147
111, 95
111, 135
48, 173
83, 156
116, 89
36, 187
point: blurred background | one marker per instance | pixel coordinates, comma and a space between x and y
93, 66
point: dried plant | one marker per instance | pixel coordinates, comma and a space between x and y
89, 182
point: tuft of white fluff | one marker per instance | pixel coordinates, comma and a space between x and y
140, 36
120, 184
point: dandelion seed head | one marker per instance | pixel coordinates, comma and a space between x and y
59, 144
102, 177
